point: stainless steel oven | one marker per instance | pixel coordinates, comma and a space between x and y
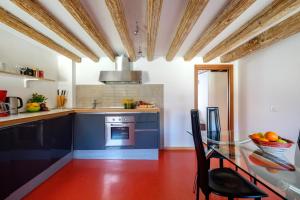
119, 130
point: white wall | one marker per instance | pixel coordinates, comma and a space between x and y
178, 79
67, 79
271, 78
203, 79
218, 95
16, 49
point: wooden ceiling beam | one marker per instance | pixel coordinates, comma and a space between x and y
75, 8
36, 10
116, 10
231, 12
191, 14
20, 26
272, 13
283, 30
153, 16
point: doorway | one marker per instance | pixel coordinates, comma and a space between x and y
214, 88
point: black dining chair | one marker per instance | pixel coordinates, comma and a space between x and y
221, 181
214, 129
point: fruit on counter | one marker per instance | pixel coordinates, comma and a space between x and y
33, 107
257, 135
262, 139
146, 106
282, 141
271, 136
143, 104
37, 103
44, 107
128, 103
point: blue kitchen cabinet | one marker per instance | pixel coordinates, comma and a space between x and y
29, 157
58, 136
89, 132
146, 139
147, 131
6, 181
28, 149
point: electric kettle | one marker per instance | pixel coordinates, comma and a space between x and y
14, 103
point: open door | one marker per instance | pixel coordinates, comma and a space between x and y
214, 88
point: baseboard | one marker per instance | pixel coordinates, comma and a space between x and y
122, 154
36, 181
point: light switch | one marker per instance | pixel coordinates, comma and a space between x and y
274, 108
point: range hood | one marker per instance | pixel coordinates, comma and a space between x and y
122, 73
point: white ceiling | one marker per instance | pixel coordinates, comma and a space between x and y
135, 10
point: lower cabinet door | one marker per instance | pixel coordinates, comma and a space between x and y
146, 140
89, 132
29, 157
6, 181
58, 136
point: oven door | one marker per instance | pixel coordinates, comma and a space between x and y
119, 134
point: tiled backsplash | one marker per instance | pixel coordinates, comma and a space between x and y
112, 95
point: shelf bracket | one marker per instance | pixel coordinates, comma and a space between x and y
27, 80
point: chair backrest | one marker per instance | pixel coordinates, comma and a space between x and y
202, 162
298, 141
213, 123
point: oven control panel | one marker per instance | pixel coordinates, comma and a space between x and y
119, 119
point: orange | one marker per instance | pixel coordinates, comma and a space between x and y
271, 136
256, 136
263, 139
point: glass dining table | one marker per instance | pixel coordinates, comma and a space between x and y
278, 173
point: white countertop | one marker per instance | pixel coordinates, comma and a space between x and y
28, 117
35, 115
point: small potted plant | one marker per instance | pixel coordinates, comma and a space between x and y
36, 103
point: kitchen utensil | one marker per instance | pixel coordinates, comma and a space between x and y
3, 109
3, 95
14, 104
61, 98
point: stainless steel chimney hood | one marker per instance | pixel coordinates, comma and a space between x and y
122, 74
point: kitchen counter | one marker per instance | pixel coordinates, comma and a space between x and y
29, 117
116, 110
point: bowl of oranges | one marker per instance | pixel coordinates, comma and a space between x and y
271, 142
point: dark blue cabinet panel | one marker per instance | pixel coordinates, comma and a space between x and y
58, 136
147, 117
29, 156
28, 149
147, 139
147, 131
89, 133
147, 125
6, 182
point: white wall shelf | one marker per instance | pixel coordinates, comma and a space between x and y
26, 78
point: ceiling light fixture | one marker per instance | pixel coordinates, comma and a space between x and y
139, 39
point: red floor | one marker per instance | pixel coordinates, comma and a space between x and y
170, 178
